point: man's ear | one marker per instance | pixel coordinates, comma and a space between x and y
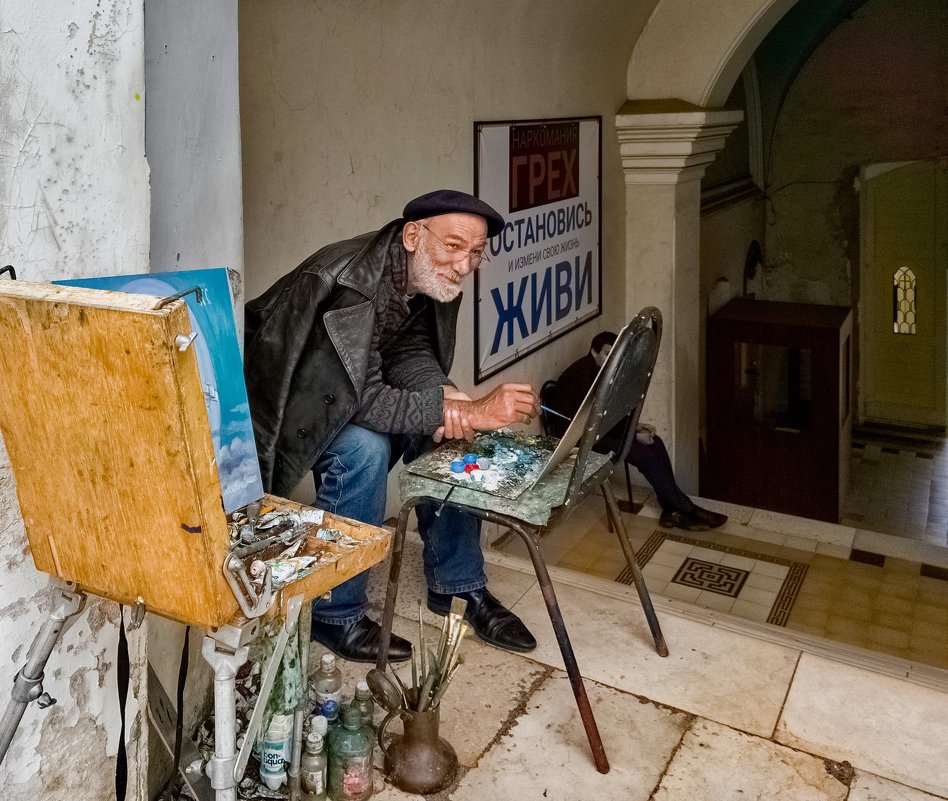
411, 231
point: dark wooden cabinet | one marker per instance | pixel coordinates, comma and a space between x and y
778, 406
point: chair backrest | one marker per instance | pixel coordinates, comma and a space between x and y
619, 392
547, 422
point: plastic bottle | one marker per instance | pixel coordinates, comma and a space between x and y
350, 759
331, 714
319, 724
327, 686
273, 754
313, 768
364, 703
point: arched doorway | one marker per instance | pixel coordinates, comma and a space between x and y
904, 233
680, 73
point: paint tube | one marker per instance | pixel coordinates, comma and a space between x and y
285, 570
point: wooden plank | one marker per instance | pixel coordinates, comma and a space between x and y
106, 429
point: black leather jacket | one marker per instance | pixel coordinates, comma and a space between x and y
307, 341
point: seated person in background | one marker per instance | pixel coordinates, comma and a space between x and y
647, 453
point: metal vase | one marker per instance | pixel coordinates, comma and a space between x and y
419, 760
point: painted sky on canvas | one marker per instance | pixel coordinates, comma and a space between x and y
222, 375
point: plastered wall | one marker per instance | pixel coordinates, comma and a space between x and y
73, 202
874, 91
348, 110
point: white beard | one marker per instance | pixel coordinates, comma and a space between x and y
425, 277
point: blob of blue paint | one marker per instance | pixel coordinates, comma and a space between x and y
457, 466
470, 458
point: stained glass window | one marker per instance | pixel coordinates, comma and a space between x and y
903, 301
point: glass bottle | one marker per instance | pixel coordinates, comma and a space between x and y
313, 768
364, 703
327, 685
350, 759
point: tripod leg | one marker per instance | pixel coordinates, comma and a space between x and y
28, 684
637, 578
220, 769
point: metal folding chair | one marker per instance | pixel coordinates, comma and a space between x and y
617, 394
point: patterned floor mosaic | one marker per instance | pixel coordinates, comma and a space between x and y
752, 585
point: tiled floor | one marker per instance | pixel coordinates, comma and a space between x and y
897, 606
736, 710
745, 583
899, 485
728, 714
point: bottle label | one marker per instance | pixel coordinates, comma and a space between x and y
322, 697
314, 781
272, 757
357, 777
273, 754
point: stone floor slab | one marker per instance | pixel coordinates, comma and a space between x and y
710, 672
715, 762
893, 728
867, 787
488, 685
507, 585
545, 756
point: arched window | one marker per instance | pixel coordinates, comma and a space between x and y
903, 301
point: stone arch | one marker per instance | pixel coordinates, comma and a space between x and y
696, 56
682, 68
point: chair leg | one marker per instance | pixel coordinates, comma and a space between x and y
566, 649
395, 568
608, 516
637, 578
628, 486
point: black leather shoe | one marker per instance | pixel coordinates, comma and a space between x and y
359, 641
490, 619
682, 521
713, 519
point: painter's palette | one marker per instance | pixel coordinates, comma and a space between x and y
509, 462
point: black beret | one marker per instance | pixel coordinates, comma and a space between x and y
450, 201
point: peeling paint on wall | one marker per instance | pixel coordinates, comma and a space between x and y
74, 201
73, 144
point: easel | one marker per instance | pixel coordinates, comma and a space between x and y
126, 502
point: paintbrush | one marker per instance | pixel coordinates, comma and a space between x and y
548, 410
444, 501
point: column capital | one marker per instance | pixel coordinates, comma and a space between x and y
670, 141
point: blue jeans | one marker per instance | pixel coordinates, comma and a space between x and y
351, 475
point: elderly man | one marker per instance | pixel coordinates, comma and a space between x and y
346, 362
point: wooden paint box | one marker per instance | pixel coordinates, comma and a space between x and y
103, 418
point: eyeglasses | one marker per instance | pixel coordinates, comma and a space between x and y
474, 255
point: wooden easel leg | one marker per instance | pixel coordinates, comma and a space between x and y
566, 649
394, 570
637, 578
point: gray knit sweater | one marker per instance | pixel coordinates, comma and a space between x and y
402, 392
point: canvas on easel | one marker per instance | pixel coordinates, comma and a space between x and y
219, 362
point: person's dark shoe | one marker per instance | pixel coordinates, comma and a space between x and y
713, 519
490, 619
359, 641
681, 520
